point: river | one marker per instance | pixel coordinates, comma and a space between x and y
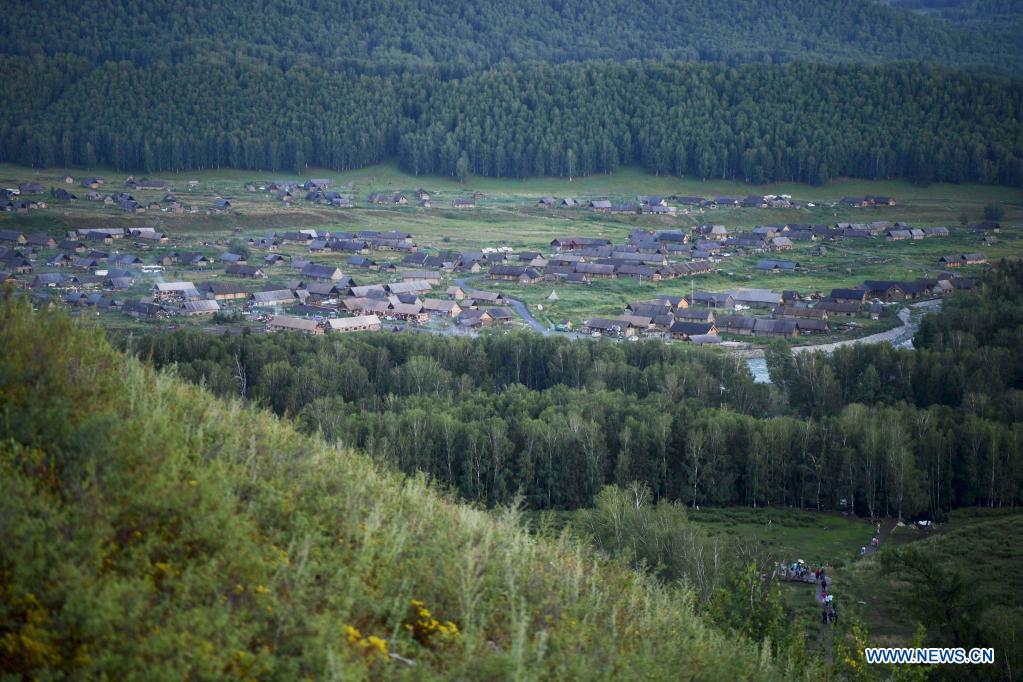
758, 368
900, 337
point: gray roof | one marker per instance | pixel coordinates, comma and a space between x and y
276, 296
756, 296
203, 306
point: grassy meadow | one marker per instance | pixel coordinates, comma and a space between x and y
507, 213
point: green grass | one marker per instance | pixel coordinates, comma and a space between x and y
792, 534
508, 211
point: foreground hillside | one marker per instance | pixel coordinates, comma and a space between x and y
153, 531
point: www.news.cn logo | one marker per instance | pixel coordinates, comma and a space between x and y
930, 655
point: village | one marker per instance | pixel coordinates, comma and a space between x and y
337, 280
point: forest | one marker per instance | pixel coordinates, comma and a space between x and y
871, 430
464, 36
754, 123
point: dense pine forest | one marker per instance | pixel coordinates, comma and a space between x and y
756, 123
870, 429
469, 35
754, 91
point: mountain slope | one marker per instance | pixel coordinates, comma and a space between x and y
480, 33
153, 531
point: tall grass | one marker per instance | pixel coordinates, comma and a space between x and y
151, 531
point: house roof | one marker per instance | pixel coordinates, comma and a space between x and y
762, 326
716, 298
756, 296
816, 313
411, 286
355, 322
321, 271
777, 265
648, 309
603, 323
275, 296
174, 286
407, 308
240, 269
691, 328
202, 306
220, 288
695, 314
880, 286
839, 307
439, 305
485, 296
736, 322
854, 294
637, 321
294, 323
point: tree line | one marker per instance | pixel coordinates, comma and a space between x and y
756, 123
877, 432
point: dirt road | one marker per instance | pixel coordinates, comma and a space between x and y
910, 322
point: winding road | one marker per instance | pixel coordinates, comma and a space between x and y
519, 308
904, 332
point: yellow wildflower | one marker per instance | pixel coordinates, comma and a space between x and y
353, 634
376, 644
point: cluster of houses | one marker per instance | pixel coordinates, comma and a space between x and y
583, 259
891, 291
314, 190
711, 241
324, 241
786, 235
962, 259
89, 275
658, 205
81, 250
915, 233
868, 201
702, 316
17, 199
318, 191
423, 198
330, 297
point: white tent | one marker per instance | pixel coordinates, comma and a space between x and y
553, 297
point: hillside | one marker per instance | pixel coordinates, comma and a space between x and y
456, 35
150, 529
795, 122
